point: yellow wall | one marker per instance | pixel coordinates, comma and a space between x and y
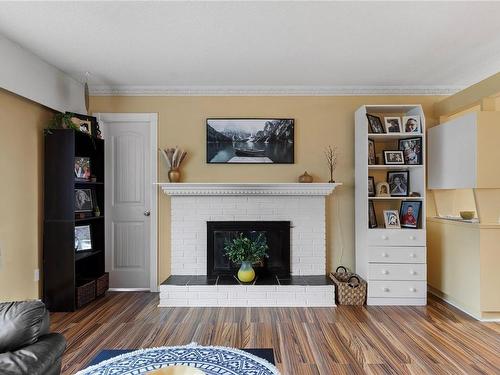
453, 258
21, 194
320, 121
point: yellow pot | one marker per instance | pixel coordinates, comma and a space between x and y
246, 274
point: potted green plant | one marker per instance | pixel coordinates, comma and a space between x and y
245, 251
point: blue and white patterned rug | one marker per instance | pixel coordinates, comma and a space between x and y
212, 360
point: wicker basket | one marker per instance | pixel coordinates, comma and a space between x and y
350, 289
102, 284
85, 292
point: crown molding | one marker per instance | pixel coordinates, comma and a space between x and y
209, 189
132, 90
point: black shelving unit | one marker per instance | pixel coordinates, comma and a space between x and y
64, 269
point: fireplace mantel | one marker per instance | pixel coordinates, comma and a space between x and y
228, 188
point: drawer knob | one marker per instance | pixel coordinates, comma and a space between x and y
385, 255
412, 272
413, 238
385, 272
413, 290
384, 237
412, 255
385, 289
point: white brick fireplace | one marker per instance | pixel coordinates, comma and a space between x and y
195, 204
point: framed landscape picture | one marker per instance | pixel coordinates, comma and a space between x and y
250, 141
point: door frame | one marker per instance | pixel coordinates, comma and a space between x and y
152, 120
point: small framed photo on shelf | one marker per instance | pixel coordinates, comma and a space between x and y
411, 124
372, 160
393, 157
399, 182
84, 201
382, 189
392, 124
391, 219
372, 218
412, 150
87, 124
410, 213
375, 122
82, 169
371, 186
83, 238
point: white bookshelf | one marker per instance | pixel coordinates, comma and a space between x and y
393, 261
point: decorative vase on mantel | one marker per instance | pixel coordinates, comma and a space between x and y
305, 178
246, 273
174, 175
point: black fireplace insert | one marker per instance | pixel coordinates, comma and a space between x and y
276, 233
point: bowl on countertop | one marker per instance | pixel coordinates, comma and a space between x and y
467, 215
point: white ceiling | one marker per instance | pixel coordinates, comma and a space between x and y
363, 47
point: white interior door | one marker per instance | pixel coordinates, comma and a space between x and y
130, 194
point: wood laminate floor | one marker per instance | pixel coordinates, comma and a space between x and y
436, 339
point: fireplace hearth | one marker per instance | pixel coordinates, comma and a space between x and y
276, 234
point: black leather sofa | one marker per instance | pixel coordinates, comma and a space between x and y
26, 346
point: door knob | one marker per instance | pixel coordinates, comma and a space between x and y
147, 213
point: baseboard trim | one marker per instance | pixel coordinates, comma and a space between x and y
444, 297
129, 290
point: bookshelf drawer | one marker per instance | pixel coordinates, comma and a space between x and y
381, 254
380, 271
397, 289
396, 237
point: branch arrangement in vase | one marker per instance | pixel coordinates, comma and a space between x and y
174, 158
331, 154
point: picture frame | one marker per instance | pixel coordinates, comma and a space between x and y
372, 159
409, 214
371, 186
84, 200
372, 218
382, 189
411, 124
399, 183
391, 219
83, 238
88, 124
412, 150
393, 157
250, 140
375, 122
82, 168
392, 124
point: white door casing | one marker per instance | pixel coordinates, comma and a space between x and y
131, 199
